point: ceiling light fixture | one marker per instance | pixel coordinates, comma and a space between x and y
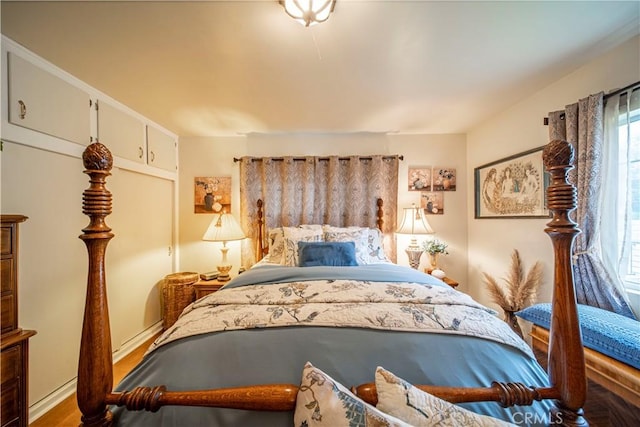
308, 12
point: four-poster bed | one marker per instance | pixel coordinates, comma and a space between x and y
517, 381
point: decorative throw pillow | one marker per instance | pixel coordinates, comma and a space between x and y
322, 401
276, 245
293, 235
419, 408
340, 254
360, 237
375, 246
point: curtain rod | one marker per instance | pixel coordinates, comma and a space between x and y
300, 159
605, 97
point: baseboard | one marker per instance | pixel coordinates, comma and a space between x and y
54, 398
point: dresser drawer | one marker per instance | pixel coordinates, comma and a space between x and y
9, 317
6, 241
10, 359
7, 283
10, 407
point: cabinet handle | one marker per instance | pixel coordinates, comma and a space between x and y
140, 152
23, 109
153, 156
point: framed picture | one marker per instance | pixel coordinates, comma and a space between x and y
419, 178
432, 202
513, 187
444, 178
212, 194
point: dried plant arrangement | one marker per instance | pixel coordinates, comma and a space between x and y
518, 292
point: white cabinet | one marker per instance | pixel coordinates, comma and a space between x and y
43, 102
161, 149
122, 133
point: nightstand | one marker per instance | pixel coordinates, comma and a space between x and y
206, 287
453, 283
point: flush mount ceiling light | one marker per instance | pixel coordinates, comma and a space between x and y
308, 12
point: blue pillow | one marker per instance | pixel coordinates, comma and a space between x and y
341, 254
609, 333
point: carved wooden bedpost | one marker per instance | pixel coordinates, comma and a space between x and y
95, 371
566, 355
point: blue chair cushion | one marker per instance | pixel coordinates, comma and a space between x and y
603, 331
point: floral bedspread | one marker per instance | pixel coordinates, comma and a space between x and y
342, 303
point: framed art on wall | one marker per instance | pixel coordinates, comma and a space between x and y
432, 202
212, 194
419, 178
513, 187
444, 178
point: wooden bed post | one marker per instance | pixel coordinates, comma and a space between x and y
566, 356
95, 371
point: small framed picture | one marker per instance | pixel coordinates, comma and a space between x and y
212, 194
432, 202
444, 178
513, 187
419, 178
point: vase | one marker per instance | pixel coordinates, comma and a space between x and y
208, 202
433, 261
512, 321
446, 183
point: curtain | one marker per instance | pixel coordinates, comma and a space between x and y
340, 191
617, 217
581, 124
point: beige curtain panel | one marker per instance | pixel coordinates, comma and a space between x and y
340, 191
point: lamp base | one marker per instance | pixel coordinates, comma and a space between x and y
414, 257
223, 273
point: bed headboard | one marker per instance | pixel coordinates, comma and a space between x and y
262, 244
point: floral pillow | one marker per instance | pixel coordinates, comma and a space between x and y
419, 408
322, 401
275, 238
375, 246
360, 236
293, 235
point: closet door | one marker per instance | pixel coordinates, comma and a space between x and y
43, 102
121, 132
161, 149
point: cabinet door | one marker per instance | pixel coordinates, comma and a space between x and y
123, 133
40, 101
161, 149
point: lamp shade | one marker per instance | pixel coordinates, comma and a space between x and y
223, 228
309, 12
414, 222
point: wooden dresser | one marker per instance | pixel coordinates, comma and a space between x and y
14, 341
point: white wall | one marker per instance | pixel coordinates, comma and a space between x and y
214, 157
491, 241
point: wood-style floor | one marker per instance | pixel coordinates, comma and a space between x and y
67, 414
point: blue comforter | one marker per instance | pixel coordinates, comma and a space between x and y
350, 355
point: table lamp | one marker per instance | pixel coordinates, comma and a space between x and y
413, 223
223, 228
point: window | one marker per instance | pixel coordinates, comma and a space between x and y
622, 145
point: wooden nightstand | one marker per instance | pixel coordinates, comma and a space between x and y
453, 283
206, 287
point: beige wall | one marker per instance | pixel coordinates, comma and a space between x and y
491, 241
214, 157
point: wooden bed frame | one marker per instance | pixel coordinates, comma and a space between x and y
95, 377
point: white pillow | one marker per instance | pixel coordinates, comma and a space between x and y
375, 247
322, 401
293, 235
421, 409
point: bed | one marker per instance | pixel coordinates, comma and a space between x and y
259, 351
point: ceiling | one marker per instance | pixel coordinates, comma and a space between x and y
220, 68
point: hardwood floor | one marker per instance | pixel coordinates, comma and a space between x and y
67, 414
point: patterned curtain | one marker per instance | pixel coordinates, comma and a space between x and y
340, 191
581, 124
